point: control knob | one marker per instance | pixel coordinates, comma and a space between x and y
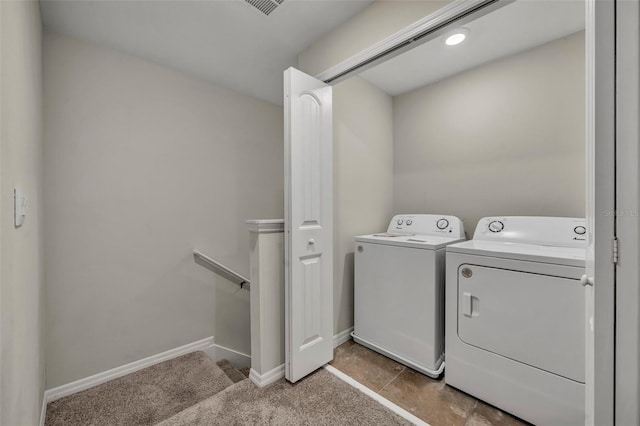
580, 230
442, 223
496, 226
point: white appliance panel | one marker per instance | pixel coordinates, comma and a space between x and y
570, 256
399, 301
545, 231
531, 318
427, 224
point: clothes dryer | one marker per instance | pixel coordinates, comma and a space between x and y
515, 317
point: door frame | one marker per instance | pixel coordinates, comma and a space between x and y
600, 64
627, 375
600, 59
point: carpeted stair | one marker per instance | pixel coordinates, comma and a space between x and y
192, 390
145, 397
321, 399
232, 373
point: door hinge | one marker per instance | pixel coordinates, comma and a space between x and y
615, 250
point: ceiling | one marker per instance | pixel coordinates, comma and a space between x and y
513, 28
227, 42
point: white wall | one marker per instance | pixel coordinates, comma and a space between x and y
378, 21
21, 278
505, 138
363, 179
142, 165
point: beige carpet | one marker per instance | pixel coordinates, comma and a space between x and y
320, 399
233, 373
145, 397
193, 390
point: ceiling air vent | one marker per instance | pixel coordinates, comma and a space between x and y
265, 6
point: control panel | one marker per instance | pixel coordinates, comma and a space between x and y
427, 224
548, 231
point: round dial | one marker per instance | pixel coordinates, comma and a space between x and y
442, 223
580, 230
409, 221
399, 221
496, 226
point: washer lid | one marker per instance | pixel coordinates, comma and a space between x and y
425, 242
569, 256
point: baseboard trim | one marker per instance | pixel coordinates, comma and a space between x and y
97, 379
376, 396
342, 337
238, 359
43, 410
216, 352
262, 380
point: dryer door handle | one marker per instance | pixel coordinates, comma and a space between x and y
470, 305
467, 304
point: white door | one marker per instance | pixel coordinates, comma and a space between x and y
308, 224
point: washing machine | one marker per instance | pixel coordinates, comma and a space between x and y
515, 317
399, 289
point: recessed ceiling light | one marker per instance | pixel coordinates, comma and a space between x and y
456, 36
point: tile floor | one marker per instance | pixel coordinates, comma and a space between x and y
430, 400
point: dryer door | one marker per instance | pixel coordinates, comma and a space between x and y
531, 318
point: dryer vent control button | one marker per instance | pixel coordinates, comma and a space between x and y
442, 223
580, 230
496, 226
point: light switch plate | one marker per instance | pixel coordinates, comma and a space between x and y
19, 206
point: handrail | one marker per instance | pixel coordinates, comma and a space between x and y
228, 273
